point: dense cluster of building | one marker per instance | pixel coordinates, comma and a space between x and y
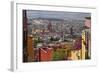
56, 39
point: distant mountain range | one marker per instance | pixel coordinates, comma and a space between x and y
57, 15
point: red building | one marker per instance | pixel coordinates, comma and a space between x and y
45, 54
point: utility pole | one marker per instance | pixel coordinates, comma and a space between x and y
25, 54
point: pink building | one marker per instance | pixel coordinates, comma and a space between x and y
88, 22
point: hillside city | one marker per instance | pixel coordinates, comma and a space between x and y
55, 39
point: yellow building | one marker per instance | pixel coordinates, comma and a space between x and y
75, 54
83, 50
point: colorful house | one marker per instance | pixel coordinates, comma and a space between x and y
30, 49
86, 39
75, 54
45, 54
83, 44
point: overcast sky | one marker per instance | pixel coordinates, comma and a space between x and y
57, 14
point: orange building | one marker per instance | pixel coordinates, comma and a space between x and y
30, 49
